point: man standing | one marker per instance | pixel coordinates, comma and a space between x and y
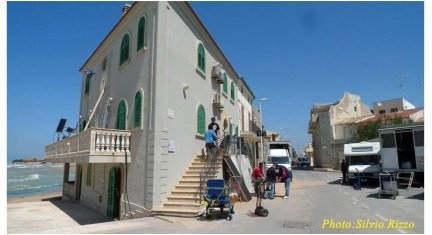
210, 138
344, 169
213, 123
257, 175
286, 176
271, 179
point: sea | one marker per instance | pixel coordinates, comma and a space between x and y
27, 179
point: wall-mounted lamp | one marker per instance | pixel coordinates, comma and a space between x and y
185, 87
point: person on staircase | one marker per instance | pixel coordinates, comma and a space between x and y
211, 140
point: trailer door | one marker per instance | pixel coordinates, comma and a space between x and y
389, 155
419, 147
405, 149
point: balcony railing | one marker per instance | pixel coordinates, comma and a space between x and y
102, 144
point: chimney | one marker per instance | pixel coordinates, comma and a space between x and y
125, 9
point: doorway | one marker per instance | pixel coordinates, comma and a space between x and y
405, 150
113, 207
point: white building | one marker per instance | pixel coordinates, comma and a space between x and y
248, 131
147, 96
392, 106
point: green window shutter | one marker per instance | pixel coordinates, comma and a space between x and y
201, 57
141, 33
81, 127
84, 124
225, 85
201, 120
138, 108
230, 129
89, 174
236, 131
111, 192
124, 49
121, 116
232, 91
87, 85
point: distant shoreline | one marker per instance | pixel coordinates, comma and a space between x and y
35, 197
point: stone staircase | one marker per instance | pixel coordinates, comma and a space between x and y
184, 199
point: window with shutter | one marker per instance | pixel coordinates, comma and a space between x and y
141, 33
121, 116
201, 120
138, 109
124, 49
225, 85
201, 57
232, 91
87, 85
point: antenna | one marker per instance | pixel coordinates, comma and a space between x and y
421, 91
402, 85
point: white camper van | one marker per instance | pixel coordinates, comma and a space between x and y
279, 153
364, 159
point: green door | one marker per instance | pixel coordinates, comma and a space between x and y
113, 193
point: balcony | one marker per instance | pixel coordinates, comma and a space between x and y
216, 73
217, 101
91, 146
249, 132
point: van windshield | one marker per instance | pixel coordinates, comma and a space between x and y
280, 160
364, 160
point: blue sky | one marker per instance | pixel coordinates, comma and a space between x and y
294, 54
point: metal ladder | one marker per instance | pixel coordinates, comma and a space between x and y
105, 114
406, 178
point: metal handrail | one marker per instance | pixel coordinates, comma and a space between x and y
209, 168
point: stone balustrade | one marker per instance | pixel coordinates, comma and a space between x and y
92, 142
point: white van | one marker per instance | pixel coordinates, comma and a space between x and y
364, 159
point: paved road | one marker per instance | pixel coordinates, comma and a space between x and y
318, 204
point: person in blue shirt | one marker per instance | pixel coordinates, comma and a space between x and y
210, 138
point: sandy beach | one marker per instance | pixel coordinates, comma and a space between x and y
36, 198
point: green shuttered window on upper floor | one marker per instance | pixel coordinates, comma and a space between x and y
201, 57
138, 110
141, 33
121, 116
201, 120
124, 49
232, 91
225, 84
87, 85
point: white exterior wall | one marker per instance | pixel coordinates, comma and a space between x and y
247, 109
176, 65
160, 71
386, 105
122, 83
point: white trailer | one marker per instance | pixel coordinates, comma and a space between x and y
364, 159
402, 148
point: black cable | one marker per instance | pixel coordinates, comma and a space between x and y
126, 192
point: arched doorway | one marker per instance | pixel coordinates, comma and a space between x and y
114, 191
